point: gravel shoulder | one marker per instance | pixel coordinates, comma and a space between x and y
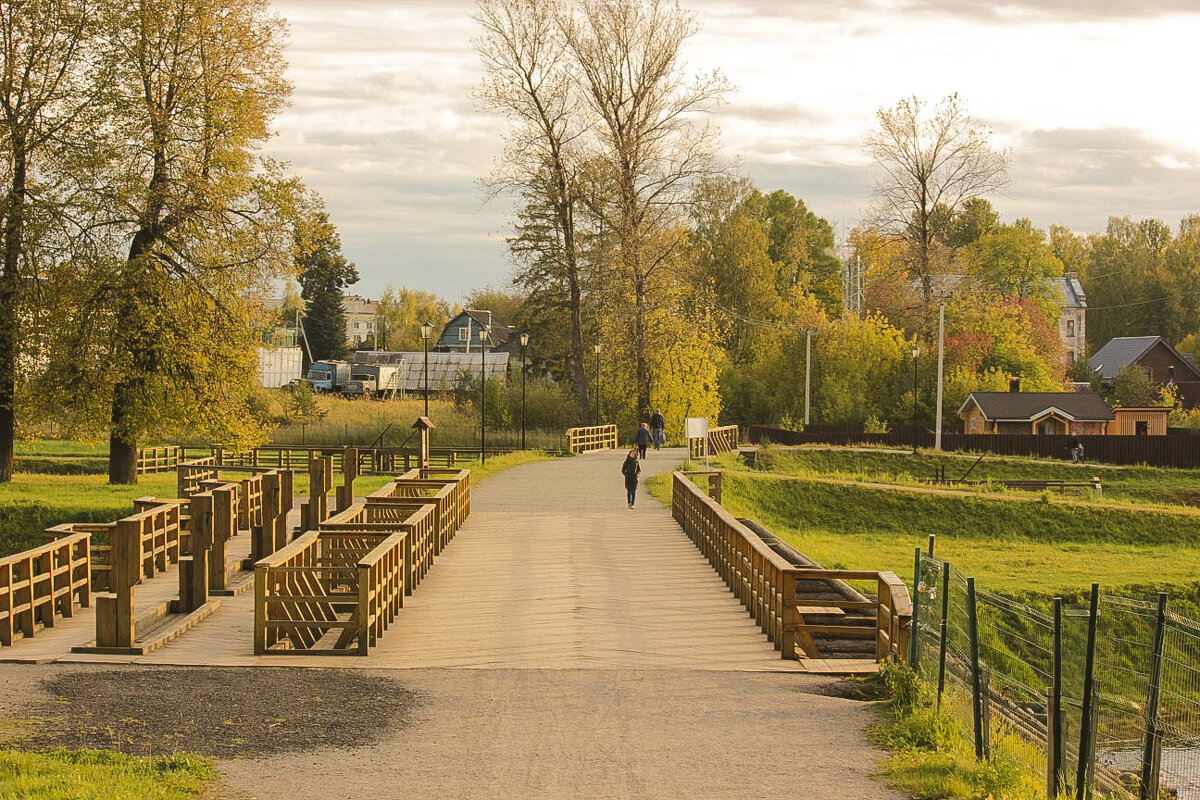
334, 733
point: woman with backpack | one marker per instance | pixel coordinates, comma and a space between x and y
631, 469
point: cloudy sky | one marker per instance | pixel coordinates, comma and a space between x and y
1094, 98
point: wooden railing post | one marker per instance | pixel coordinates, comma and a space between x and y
193, 568
224, 501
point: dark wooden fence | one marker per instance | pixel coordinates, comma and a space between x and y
1155, 451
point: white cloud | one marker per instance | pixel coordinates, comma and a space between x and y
1086, 95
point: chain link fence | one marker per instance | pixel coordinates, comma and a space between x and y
1098, 701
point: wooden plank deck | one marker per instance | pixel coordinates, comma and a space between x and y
550, 571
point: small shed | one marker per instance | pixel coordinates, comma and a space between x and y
1042, 413
1132, 421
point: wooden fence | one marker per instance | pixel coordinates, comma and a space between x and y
371, 460
596, 437
335, 590
1157, 451
42, 585
722, 439
766, 583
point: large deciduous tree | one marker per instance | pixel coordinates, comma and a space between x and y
931, 160
650, 150
195, 86
46, 106
532, 81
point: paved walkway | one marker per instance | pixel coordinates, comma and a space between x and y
562, 645
550, 571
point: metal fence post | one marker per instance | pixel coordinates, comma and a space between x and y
1087, 721
976, 682
1057, 772
1149, 789
916, 608
941, 686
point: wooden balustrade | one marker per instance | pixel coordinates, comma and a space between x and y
336, 589
100, 551
596, 437
723, 439
44, 584
766, 583
329, 592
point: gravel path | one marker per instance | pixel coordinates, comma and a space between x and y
330, 733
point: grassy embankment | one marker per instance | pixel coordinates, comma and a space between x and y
1018, 543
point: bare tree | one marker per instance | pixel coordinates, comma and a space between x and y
932, 160
649, 146
531, 80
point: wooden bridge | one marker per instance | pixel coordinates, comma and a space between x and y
553, 570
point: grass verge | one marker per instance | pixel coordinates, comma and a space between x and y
100, 775
931, 756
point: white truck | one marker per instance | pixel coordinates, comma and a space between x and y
380, 381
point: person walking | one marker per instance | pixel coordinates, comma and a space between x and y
657, 425
631, 469
642, 439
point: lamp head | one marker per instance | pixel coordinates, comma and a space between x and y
483, 334
916, 351
524, 339
426, 330
596, 348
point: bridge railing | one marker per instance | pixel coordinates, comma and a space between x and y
596, 437
766, 583
722, 439
43, 584
334, 591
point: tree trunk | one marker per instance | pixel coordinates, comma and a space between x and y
10, 289
122, 452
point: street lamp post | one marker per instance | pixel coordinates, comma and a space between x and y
524, 344
916, 351
426, 332
596, 350
483, 336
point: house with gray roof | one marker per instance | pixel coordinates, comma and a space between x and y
1043, 413
1161, 362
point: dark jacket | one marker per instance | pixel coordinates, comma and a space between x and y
643, 436
657, 421
631, 469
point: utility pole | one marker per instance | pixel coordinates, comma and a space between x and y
807, 371
937, 436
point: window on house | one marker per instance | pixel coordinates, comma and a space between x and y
1141, 428
1070, 327
1071, 356
464, 334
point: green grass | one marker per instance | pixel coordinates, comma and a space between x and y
1136, 484
1010, 547
99, 775
31, 503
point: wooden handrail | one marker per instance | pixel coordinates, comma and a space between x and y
587, 439
43, 584
765, 582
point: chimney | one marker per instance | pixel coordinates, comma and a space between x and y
1014, 385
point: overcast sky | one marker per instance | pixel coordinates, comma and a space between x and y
1094, 98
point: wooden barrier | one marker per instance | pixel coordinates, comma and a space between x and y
766, 583
41, 585
99, 551
336, 589
723, 439
329, 593
597, 437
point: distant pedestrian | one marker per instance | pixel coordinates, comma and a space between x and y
657, 424
642, 439
631, 469
1075, 447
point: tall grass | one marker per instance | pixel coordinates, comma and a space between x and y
388, 423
